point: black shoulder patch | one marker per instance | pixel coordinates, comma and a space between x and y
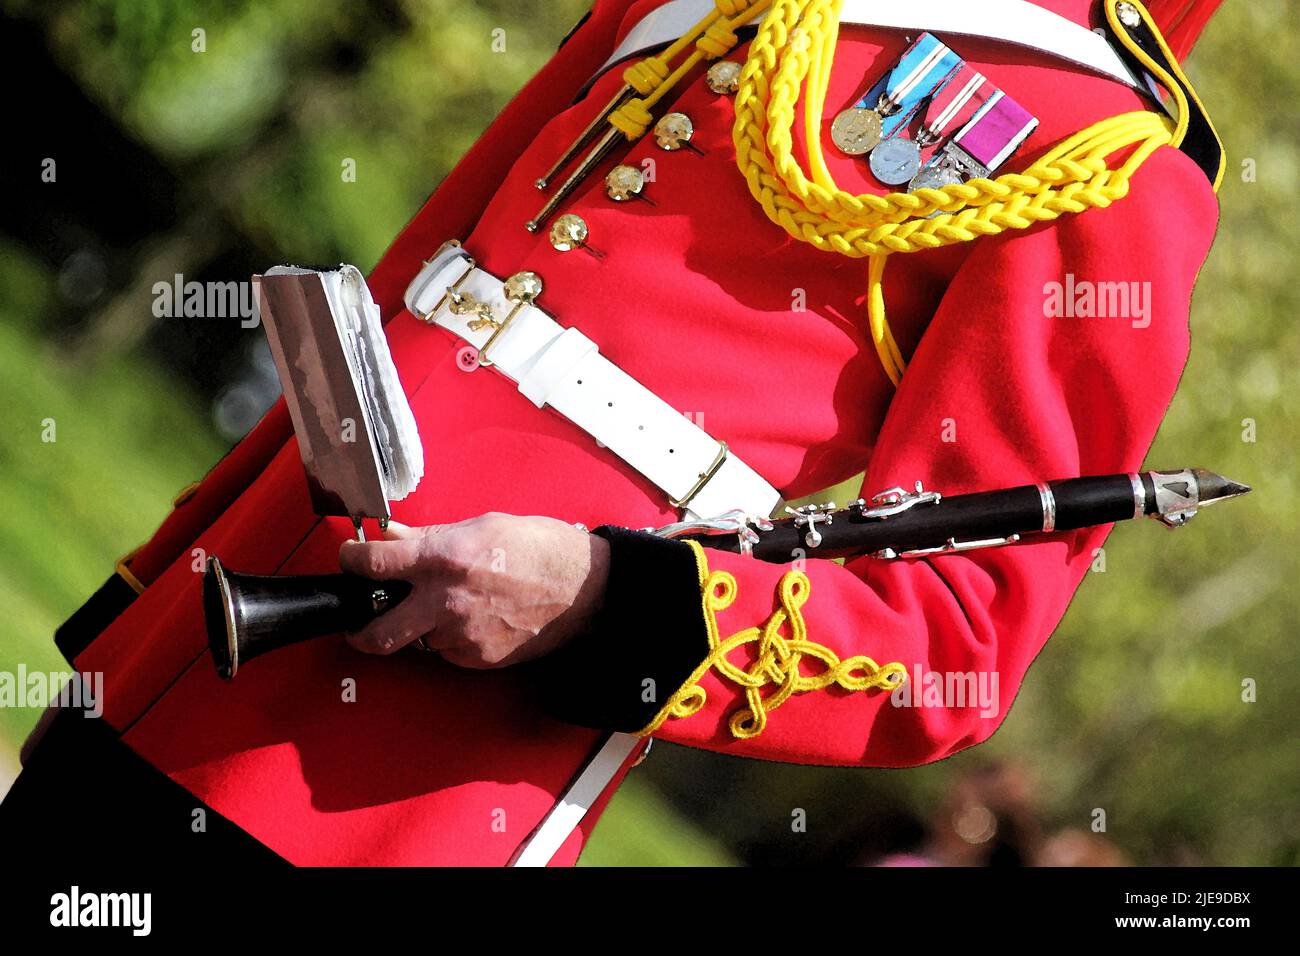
1139, 42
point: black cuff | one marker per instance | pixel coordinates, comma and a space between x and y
639, 648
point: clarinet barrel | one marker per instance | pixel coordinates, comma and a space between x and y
248, 615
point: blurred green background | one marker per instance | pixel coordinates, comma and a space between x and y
226, 161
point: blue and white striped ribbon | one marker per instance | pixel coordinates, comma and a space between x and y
921, 70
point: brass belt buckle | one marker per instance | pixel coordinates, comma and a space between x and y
704, 478
520, 289
452, 291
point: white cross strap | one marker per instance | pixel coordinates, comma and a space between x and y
564, 369
540, 846
1018, 22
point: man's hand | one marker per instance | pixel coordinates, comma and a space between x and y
490, 591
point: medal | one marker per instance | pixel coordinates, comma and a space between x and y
921, 70
935, 176
960, 95
990, 136
856, 130
895, 160
899, 157
952, 106
995, 132
959, 99
950, 165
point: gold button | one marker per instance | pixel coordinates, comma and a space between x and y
624, 183
674, 131
570, 232
723, 76
523, 287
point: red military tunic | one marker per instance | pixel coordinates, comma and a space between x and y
694, 297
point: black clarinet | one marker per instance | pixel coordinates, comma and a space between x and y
909, 524
249, 615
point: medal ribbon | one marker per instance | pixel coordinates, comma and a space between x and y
955, 102
919, 72
804, 200
995, 131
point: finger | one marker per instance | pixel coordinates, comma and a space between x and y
394, 630
381, 560
439, 641
460, 656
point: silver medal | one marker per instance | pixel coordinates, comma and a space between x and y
935, 177
895, 160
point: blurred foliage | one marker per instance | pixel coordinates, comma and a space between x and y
77, 503
1136, 704
286, 89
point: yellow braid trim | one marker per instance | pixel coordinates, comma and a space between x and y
793, 50
654, 77
777, 658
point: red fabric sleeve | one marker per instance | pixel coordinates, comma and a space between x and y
997, 394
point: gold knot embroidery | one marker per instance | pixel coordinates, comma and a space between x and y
777, 657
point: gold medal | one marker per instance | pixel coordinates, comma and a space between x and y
856, 130
924, 67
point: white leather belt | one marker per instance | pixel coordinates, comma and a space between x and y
1014, 21
564, 369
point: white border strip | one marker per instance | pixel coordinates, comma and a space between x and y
573, 805
1019, 22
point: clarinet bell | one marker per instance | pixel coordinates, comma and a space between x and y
248, 615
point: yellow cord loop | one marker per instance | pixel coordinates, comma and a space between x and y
777, 657
718, 39
792, 55
645, 75
654, 77
632, 119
